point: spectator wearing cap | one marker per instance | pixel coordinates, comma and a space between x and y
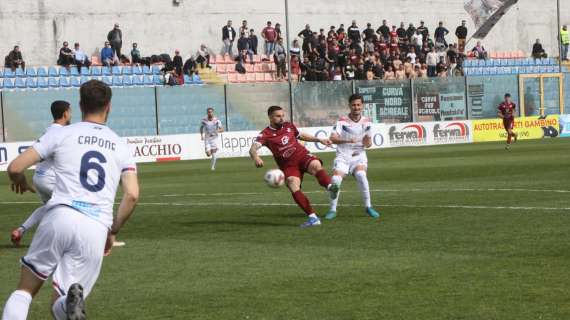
203, 56
108, 55
115, 38
440, 34
384, 31
369, 33
538, 51
306, 35
424, 31
461, 33
270, 36
65, 56
136, 54
80, 57
243, 47
253, 41
354, 32
177, 62
228, 37
14, 59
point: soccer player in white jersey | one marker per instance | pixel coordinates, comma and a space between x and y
209, 129
352, 135
44, 176
89, 160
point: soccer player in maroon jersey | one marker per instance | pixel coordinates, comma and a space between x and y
507, 113
293, 159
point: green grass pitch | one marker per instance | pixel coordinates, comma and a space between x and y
467, 232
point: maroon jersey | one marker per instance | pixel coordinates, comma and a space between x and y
283, 143
507, 110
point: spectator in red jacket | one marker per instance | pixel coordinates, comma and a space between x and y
270, 36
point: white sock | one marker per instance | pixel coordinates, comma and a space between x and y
337, 180
59, 308
17, 306
362, 181
214, 158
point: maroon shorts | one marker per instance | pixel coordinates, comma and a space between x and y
298, 167
509, 124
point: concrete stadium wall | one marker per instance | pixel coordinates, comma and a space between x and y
40, 26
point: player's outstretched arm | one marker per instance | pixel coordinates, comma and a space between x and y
335, 138
130, 185
202, 132
311, 138
253, 153
17, 168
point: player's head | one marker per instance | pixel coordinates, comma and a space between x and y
61, 112
356, 103
95, 98
507, 97
210, 112
276, 116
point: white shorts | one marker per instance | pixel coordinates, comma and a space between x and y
68, 246
210, 144
44, 183
346, 165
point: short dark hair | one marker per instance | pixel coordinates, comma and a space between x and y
210, 108
507, 95
273, 109
355, 97
58, 108
94, 95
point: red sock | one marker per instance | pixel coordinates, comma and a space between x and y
323, 178
303, 202
509, 138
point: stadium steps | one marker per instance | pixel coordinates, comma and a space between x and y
209, 76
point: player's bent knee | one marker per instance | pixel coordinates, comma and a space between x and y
314, 167
293, 183
360, 173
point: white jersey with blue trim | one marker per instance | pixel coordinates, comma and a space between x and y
88, 160
45, 168
347, 129
211, 127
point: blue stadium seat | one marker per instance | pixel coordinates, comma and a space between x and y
556, 68
96, 71
74, 72
127, 81
196, 79
53, 82
117, 81
108, 80
156, 80
84, 71
20, 83
467, 71
42, 83
127, 70
147, 80
492, 71
42, 72
146, 70
467, 63
31, 83
9, 83
138, 80
1, 73
116, 70
496, 62
106, 71
75, 82
543, 69
64, 82
515, 70
155, 69
187, 79
511, 62
8, 73
31, 72
53, 71
1, 83
537, 62
83, 79
63, 72
477, 71
20, 73
137, 70
489, 63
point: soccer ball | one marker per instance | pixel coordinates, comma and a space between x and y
274, 178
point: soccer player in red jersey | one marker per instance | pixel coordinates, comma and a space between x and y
293, 159
507, 113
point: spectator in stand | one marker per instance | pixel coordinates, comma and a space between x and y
280, 56
431, 61
461, 33
321, 35
243, 47
389, 74
177, 61
423, 30
479, 51
243, 28
538, 51
190, 67
369, 46
108, 55
253, 42
228, 37
393, 34
452, 55
424, 71
369, 33
65, 56
279, 34
269, 35
136, 54
384, 31
564, 42
410, 31
354, 32
412, 55
306, 35
341, 28
203, 56
441, 67
440, 34
80, 57
417, 40
295, 49
14, 59
401, 32
295, 67
115, 38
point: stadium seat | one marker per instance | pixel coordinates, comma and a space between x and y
75, 82
256, 58
212, 59
542, 69
116, 70
241, 78
249, 68
250, 77
31, 72
146, 70
73, 72
219, 59
228, 59
127, 70
137, 80
9, 83
147, 80
31, 83
511, 62
64, 82
196, 79
84, 71
42, 83
268, 77
260, 77
96, 71
53, 82
488, 63
8, 73
63, 72
20, 83
156, 80
137, 70
155, 69
117, 81
108, 80
41, 72
187, 79
106, 71
20, 73
127, 81
232, 77
487, 71
83, 79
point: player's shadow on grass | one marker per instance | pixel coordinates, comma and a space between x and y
10, 246
218, 224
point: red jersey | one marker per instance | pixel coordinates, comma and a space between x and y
283, 143
507, 110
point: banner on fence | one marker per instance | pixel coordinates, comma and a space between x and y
526, 128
